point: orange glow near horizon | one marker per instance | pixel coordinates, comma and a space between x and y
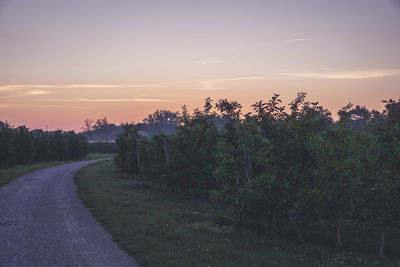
58, 109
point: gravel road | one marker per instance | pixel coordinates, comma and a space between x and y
43, 223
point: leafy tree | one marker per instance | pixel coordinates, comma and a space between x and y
162, 116
99, 124
88, 125
128, 149
58, 147
306, 124
7, 149
383, 182
153, 161
268, 144
24, 146
76, 145
272, 167
21, 146
102, 147
193, 149
231, 167
42, 145
339, 168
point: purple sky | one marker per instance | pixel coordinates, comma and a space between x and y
63, 61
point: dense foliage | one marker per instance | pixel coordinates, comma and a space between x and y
21, 146
102, 147
275, 168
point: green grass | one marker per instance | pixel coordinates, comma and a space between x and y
9, 174
162, 229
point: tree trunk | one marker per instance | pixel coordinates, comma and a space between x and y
241, 215
165, 150
299, 233
131, 179
237, 211
246, 155
339, 230
236, 219
137, 154
382, 242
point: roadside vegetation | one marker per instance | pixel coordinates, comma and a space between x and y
279, 166
259, 179
160, 228
23, 151
20, 146
9, 174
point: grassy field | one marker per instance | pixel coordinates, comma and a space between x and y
9, 174
161, 229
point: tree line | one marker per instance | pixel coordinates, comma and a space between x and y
102, 147
19, 145
278, 165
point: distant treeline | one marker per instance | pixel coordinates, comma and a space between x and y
18, 145
101, 130
102, 147
275, 168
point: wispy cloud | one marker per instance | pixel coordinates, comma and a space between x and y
299, 40
244, 78
207, 61
14, 87
123, 100
49, 86
207, 84
343, 75
214, 84
38, 92
37, 106
60, 106
6, 88
57, 99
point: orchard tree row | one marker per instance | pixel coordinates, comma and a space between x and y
277, 166
18, 145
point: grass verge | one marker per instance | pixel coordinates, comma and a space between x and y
9, 174
161, 229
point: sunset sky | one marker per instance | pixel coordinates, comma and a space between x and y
64, 61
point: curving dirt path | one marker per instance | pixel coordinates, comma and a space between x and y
43, 223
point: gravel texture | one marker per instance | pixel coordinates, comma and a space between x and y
43, 223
